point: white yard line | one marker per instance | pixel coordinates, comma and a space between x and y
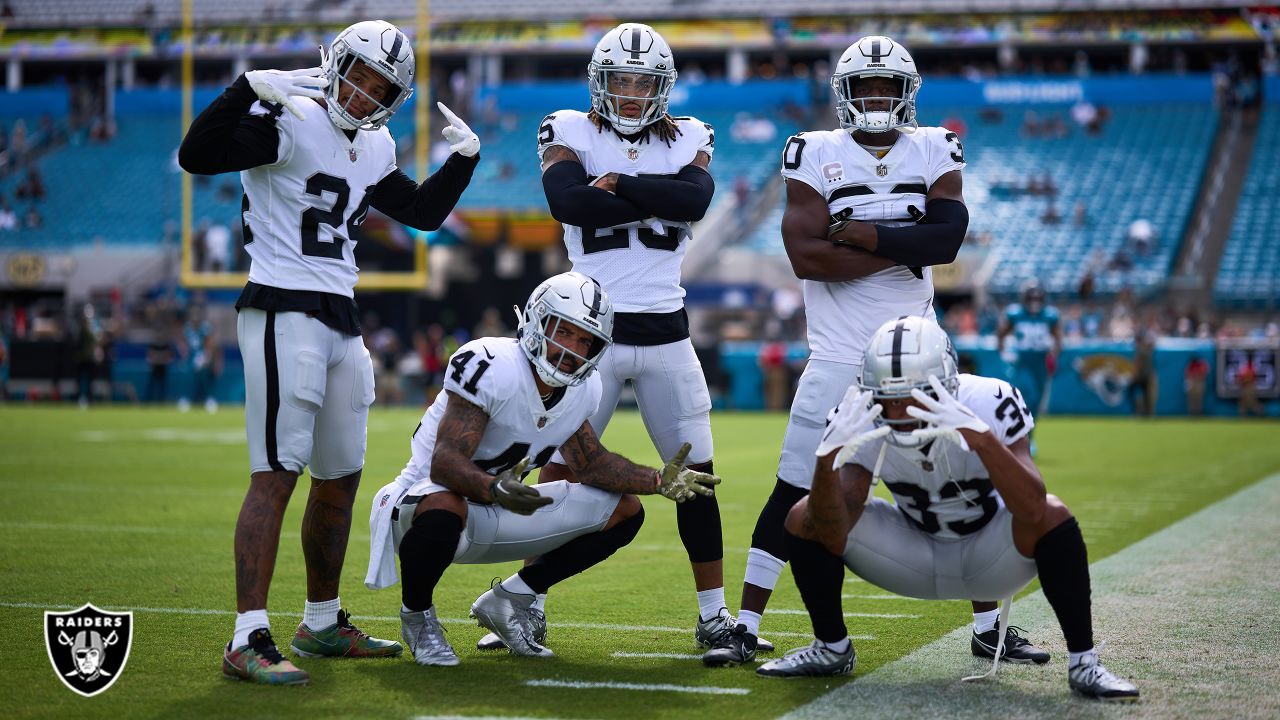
848, 614
1187, 612
637, 687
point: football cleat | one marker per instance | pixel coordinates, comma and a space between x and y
1017, 649
425, 637
708, 632
341, 639
734, 648
538, 621
506, 614
1090, 679
816, 660
261, 662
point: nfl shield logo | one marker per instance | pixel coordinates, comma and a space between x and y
88, 647
882, 170
352, 154
633, 154
926, 466
542, 422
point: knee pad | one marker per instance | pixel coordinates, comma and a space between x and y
770, 534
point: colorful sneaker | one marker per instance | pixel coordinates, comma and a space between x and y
1017, 649
260, 662
341, 639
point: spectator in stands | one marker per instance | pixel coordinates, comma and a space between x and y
202, 352
957, 125
32, 187
1247, 379
8, 218
1051, 216
4, 364
773, 364
159, 356
32, 219
490, 325
431, 350
218, 246
1084, 114
88, 343
200, 244
1143, 386
1031, 127
1197, 372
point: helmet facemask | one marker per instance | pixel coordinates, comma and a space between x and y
853, 112
580, 302
612, 87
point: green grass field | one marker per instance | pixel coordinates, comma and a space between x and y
134, 509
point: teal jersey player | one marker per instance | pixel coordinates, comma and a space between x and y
1032, 351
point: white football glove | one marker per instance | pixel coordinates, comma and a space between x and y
679, 483
945, 415
276, 86
460, 138
855, 411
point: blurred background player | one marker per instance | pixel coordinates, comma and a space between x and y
309, 178
970, 516
507, 405
627, 180
1033, 352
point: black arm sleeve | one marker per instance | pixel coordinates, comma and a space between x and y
933, 242
225, 138
572, 201
424, 206
684, 197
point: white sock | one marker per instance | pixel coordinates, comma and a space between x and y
320, 615
1089, 656
540, 602
247, 622
986, 621
841, 646
751, 620
763, 569
710, 602
516, 584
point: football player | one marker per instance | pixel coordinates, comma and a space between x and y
870, 207
1037, 341
970, 517
507, 405
314, 155
627, 180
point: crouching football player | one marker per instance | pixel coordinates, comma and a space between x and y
507, 405
972, 519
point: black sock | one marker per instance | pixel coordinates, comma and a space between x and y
698, 520
1063, 563
579, 554
425, 551
819, 577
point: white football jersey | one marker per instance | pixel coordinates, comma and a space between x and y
640, 266
842, 316
494, 374
299, 211
947, 492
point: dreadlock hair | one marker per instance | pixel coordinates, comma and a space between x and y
665, 127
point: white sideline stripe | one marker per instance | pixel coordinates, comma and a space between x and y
656, 687
848, 614
664, 656
852, 580
384, 618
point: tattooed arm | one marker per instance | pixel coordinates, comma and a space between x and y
595, 466
457, 438
835, 503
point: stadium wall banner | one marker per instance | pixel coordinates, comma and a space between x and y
1094, 377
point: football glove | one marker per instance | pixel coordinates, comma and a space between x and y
276, 86
854, 413
839, 221
679, 483
509, 492
915, 214
460, 137
945, 415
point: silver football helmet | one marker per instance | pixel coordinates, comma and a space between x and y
876, 56
637, 50
901, 356
380, 46
565, 298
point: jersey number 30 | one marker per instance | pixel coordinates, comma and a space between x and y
314, 217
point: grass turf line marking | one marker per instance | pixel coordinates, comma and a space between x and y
848, 614
641, 687
663, 656
383, 618
475, 717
